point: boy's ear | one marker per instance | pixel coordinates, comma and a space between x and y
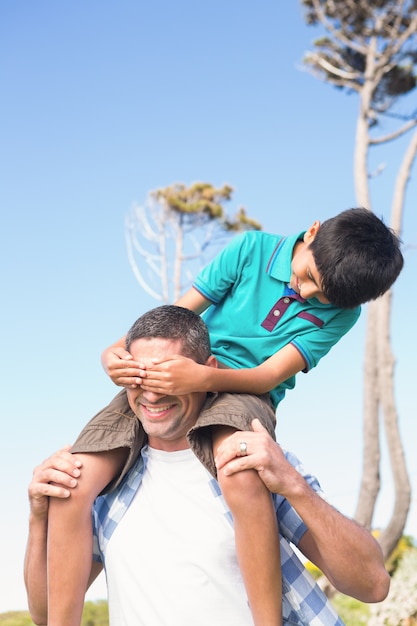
312, 232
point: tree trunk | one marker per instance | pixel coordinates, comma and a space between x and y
370, 482
379, 397
393, 531
179, 245
364, 55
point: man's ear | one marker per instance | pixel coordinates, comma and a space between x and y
312, 232
212, 361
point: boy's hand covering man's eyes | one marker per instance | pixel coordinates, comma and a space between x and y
118, 363
175, 376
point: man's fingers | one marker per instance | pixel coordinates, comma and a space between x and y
40, 490
52, 483
257, 426
66, 463
46, 476
62, 469
238, 464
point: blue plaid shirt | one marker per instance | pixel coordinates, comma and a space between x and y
303, 602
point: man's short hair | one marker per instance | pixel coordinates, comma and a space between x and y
358, 257
176, 323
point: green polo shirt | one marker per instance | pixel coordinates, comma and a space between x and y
255, 313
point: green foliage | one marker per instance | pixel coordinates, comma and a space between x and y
94, 614
178, 231
342, 58
242, 222
198, 198
352, 612
313, 570
404, 545
190, 203
400, 607
15, 618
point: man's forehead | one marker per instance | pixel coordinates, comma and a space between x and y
154, 346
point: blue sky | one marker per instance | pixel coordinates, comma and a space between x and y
103, 101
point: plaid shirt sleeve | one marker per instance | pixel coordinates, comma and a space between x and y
303, 601
109, 509
291, 524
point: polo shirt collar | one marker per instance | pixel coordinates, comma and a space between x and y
279, 264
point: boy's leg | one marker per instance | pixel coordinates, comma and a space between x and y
256, 528
236, 410
115, 426
256, 537
108, 446
70, 537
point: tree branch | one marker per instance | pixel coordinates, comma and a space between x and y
394, 135
328, 67
337, 34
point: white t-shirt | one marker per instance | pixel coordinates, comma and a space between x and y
171, 561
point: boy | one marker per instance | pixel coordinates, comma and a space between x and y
281, 303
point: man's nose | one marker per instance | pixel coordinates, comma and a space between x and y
151, 396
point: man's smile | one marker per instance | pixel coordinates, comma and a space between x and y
156, 411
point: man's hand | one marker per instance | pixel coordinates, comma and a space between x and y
262, 454
54, 477
344, 551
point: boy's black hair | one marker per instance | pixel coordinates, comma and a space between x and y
176, 323
358, 257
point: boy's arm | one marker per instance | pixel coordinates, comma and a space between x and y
117, 362
194, 301
180, 375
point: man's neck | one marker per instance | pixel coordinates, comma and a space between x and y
168, 446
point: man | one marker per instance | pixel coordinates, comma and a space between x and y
165, 536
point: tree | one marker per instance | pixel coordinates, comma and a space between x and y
176, 231
371, 49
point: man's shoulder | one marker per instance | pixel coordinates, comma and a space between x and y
242, 404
